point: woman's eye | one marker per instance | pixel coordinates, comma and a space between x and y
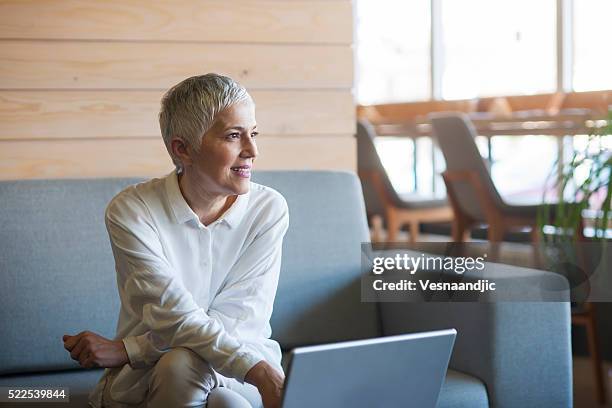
234, 135
254, 134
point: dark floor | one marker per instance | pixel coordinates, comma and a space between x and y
584, 385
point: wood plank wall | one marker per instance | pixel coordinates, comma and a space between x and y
81, 81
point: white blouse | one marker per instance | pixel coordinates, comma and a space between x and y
182, 284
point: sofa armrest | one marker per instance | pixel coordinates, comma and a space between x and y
520, 350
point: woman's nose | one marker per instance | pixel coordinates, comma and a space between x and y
249, 148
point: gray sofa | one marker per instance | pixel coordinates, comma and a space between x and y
58, 277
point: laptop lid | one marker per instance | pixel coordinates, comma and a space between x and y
396, 371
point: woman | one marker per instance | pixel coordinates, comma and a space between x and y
197, 256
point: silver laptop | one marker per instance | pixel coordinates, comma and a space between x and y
395, 371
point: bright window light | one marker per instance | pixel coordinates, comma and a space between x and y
500, 47
392, 51
592, 39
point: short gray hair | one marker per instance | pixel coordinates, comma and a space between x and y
189, 108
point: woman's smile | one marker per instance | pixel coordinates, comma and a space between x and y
242, 171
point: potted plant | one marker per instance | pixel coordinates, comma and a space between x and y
584, 186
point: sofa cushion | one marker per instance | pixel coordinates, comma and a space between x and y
461, 391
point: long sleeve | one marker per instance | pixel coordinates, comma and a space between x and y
144, 350
152, 292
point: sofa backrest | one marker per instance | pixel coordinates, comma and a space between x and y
57, 270
319, 293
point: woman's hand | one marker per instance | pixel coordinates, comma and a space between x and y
93, 350
269, 383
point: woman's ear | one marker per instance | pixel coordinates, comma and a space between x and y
181, 150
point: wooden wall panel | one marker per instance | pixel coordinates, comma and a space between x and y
309, 153
81, 81
82, 158
179, 20
129, 65
85, 158
92, 114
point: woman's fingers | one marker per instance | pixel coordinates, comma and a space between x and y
81, 347
71, 341
78, 349
86, 351
93, 350
89, 362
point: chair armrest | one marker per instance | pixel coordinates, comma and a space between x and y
520, 350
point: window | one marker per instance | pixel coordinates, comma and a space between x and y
392, 51
488, 48
520, 178
592, 38
498, 47
396, 156
481, 48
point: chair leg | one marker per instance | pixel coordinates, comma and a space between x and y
591, 330
495, 235
377, 227
459, 230
535, 242
393, 226
414, 231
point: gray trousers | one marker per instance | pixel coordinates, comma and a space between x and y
181, 378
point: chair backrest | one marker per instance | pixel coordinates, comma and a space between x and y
57, 268
369, 165
455, 135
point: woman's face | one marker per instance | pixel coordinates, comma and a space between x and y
223, 164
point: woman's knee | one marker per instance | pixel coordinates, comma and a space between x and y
180, 378
181, 362
222, 397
